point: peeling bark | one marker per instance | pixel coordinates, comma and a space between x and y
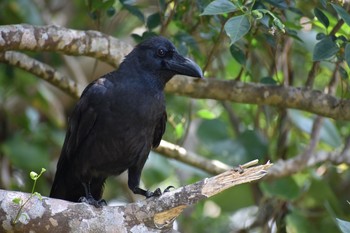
150, 215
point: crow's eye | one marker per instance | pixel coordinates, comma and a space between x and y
161, 52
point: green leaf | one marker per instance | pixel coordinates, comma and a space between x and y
347, 53
237, 27
278, 23
179, 130
297, 222
153, 21
320, 36
135, 11
33, 175
324, 3
343, 225
38, 195
268, 81
110, 11
343, 73
342, 13
101, 5
17, 200
206, 114
321, 17
328, 134
257, 14
325, 49
254, 143
238, 54
285, 188
212, 131
219, 7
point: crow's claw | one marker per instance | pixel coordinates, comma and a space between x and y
91, 201
168, 189
158, 192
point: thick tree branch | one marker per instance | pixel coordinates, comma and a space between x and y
59, 39
111, 50
43, 71
252, 93
150, 215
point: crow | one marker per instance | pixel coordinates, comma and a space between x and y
119, 118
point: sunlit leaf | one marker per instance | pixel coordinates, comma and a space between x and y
237, 27
179, 130
33, 175
206, 114
219, 7
17, 200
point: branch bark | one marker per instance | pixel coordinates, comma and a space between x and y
150, 215
313, 101
111, 50
59, 39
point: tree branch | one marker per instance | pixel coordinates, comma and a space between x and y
111, 50
179, 153
151, 215
42, 71
59, 39
252, 93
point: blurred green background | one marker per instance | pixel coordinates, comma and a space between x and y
275, 42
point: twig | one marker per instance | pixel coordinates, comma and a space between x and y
173, 151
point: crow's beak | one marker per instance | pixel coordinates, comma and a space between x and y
184, 66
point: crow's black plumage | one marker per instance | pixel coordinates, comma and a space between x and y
117, 121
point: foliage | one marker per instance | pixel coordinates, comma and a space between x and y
290, 43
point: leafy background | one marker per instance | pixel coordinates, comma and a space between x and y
273, 42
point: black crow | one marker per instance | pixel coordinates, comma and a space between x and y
117, 121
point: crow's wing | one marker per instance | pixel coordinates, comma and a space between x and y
159, 130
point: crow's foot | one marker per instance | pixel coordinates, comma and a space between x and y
157, 192
91, 201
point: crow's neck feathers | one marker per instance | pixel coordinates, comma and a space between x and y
143, 72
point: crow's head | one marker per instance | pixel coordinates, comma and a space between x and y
159, 56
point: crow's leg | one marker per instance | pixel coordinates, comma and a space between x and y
134, 182
89, 199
